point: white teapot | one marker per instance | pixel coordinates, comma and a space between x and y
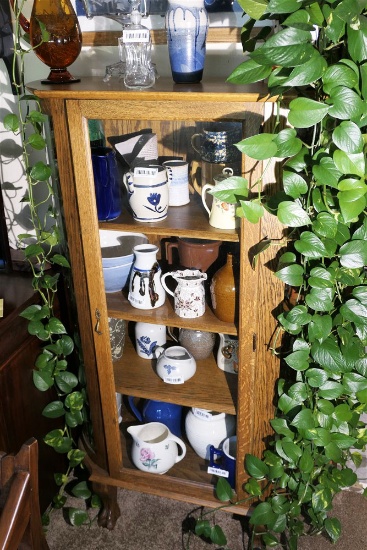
175, 365
155, 448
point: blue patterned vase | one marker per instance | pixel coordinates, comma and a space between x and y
187, 25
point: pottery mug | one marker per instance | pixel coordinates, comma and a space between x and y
148, 192
178, 178
226, 465
217, 144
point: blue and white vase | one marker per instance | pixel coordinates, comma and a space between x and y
187, 25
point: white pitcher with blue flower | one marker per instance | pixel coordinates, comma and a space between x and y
148, 192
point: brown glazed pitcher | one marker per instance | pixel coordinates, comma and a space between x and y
194, 253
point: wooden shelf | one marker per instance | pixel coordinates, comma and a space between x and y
120, 308
190, 220
210, 388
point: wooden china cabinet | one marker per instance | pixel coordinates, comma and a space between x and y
173, 112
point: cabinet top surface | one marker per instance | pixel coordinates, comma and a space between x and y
164, 88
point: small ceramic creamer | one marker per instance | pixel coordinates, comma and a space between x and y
222, 215
155, 448
175, 365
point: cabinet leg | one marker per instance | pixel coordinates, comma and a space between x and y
110, 511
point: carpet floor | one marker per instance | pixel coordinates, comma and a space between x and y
149, 522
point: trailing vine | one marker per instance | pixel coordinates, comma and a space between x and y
55, 365
318, 57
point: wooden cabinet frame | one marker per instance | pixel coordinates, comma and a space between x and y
260, 292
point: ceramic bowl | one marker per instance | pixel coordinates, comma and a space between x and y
116, 277
117, 246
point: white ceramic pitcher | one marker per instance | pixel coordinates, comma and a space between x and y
155, 448
222, 215
145, 288
148, 192
189, 294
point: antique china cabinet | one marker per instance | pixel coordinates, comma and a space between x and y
173, 112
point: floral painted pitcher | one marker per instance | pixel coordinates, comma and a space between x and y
148, 193
155, 448
190, 292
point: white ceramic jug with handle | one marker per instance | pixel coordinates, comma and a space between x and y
189, 294
155, 448
148, 193
222, 215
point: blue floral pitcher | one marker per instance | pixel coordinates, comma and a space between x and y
148, 193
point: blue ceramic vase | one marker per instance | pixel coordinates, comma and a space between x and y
187, 25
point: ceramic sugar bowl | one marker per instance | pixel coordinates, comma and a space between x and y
175, 365
205, 428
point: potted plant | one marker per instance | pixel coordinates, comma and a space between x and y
43, 248
315, 62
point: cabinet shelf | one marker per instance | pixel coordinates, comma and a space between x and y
120, 308
210, 388
190, 220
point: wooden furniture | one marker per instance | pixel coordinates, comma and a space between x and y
173, 112
20, 518
21, 403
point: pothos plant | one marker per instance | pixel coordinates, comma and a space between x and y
42, 249
315, 62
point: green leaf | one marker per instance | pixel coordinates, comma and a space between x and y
66, 381
304, 420
287, 142
30, 312
339, 75
217, 536
42, 380
230, 189
202, 528
249, 72
54, 410
75, 457
332, 452
259, 147
288, 48
255, 467
223, 490
353, 254
350, 163
55, 326
37, 142
253, 487
298, 360
331, 390
263, 514
40, 171
348, 137
306, 462
11, 123
254, 8
333, 528
308, 72
294, 185
281, 427
81, 490
251, 210
345, 103
343, 441
291, 275
60, 260
78, 517
292, 214
311, 246
321, 499
304, 112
